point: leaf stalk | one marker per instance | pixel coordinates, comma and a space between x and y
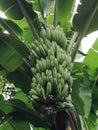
55, 12
29, 21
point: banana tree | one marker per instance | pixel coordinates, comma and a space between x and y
39, 42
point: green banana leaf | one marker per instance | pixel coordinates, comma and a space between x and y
17, 112
27, 33
12, 51
92, 63
64, 13
30, 16
11, 27
42, 6
86, 11
21, 78
81, 92
3, 72
11, 9
14, 122
92, 121
15, 125
16, 10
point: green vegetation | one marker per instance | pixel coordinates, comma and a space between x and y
41, 85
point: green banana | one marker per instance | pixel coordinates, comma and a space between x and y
34, 97
49, 88
51, 69
62, 82
48, 32
43, 33
42, 93
44, 77
42, 51
59, 90
64, 92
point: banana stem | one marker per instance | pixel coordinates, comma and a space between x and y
71, 44
29, 21
55, 12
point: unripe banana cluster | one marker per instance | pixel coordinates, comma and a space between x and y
51, 69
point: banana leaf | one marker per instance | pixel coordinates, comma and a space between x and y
86, 11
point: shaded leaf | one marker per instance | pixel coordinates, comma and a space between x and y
26, 114
85, 11
17, 111
12, 124
11, 27
92, 122
42, 6
1, 97
76, 98
21, 96
19, 123
27, 34
95, 98
21, 78
85, 95
91, 59
10, 59
64, 13
8, 106
3, 72
17, 44
11, 9
5, 107
39, 128
31, 17
81, 92
6, 126
12, 51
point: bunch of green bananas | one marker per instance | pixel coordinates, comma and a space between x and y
51, 68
